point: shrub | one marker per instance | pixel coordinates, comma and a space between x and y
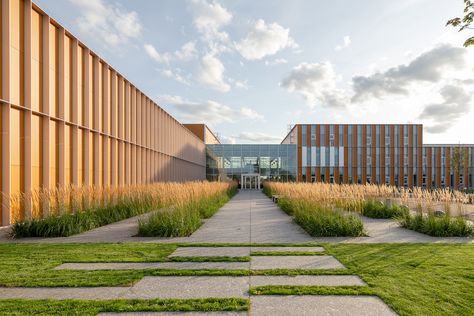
444, 226
377, 209
170, 223
322, 222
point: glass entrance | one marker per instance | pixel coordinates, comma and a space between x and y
250, 181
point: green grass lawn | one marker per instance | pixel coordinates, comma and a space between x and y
414, 279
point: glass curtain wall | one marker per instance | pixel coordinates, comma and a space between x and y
230, 161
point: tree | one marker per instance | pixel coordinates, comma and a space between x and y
465, 22
459, 159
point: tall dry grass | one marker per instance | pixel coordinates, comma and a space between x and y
46, 212
383, 202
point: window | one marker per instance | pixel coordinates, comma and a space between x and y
369, 140
405, 141
387, 140
331, 140
369, 160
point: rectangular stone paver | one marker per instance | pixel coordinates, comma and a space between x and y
295, 262
287, 249
189, 287
154, 265
59, 293
305, 305
319, 280
211, 252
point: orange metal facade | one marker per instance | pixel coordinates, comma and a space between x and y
378, 153
67, 117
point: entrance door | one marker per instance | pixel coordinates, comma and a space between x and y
250, 181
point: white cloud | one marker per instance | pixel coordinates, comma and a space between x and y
209, 112
211, 73
185, 53
265, 39
276, 61
429, 67
456, 102
176, 75
346, 41
227, 139
108, 23
255, 137
317, 83
209, 17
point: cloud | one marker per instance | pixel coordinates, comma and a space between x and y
346, 41
263, 40
276, 61
209, 17
176, 75
185, 53
211, 73
258, 137
428, 67
110, 24
227, 139
317, 83
456, 103
208, 112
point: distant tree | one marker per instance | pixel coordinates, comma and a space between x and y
459, 159
465, 22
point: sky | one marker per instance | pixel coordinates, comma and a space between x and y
250, 69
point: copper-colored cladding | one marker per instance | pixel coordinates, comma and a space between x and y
355, 145
447, 170
346, 154
410, 156
420, 155
67, 117
382, 154
326, 176
299, 142
374, 154
308, 145
392, 155
318, 144
364, 154
336, 145
429, 165
401, 151
438, 165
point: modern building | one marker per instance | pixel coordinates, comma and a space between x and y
351, 153
68, 117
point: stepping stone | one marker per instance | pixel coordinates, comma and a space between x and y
319, 305
287, 249
319, 280
211, 252
175, 313
155, 265
295, 262
63, 293
189, 287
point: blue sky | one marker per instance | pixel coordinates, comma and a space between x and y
249, 69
